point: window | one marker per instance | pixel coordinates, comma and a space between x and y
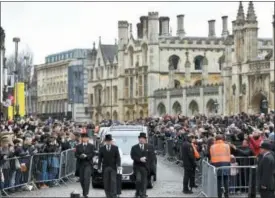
145, 85
115, 71
173, 62
108, 95
131, 87
101, 72
140, 86
126, 89
98, 62
198, 62
131, 56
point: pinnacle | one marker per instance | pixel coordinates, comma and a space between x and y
240, 15
251, 16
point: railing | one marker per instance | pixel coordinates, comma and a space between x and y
29, 171
240, 179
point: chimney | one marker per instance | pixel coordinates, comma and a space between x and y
139, 31
164, 26
180, 31
225, 32
211, 24
144, 25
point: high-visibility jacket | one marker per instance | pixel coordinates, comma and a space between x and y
220, 152
196, 153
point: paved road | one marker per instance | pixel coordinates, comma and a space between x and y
169, 184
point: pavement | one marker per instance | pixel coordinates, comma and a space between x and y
168, 184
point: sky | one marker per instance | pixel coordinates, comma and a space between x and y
51, 27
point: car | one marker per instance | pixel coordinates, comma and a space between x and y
125, 137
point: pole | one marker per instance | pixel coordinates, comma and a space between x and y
16, 40
111, 99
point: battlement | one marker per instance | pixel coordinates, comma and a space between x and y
123, 24
153, 15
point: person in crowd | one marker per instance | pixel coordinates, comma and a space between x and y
189, 164
255, 141
266, 171
220, 156
143, 156
109, 163
85, 153
234, 172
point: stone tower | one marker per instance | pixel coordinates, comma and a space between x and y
238, 33
153, 65
123, 38
250, 34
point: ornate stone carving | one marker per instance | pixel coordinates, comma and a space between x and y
234, 89
243, 90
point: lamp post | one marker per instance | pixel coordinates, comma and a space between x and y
264, 106
16, 40
216, 104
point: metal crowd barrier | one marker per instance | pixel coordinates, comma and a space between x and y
233, 181
40, 169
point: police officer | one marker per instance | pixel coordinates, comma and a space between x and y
189, 164
220, 156
143, 156
109, 160
84, 154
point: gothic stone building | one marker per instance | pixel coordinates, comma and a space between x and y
246, 65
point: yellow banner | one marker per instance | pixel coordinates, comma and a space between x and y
10, 113
19, 94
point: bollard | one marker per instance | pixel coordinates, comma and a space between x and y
75, 195
252, 182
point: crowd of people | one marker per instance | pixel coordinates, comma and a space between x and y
19, 141
248, 136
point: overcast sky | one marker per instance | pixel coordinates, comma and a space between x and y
51, 27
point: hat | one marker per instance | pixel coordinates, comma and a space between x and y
108, 137
84, 135
142, 135
266, 145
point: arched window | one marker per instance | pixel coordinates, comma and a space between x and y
131, 56
177, 84
173, 62
161, 109
198, 62
198, 83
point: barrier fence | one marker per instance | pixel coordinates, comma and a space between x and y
239, 180
38, 170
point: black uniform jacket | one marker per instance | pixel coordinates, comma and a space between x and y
109, 158
148, 152
89, 151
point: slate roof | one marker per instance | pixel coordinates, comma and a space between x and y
109, 52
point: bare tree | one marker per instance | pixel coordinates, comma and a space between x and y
25, 61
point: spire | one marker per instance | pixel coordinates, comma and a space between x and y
93, 45
204, 61
131, 30
240, 15
251, 16
99, 40
187, 62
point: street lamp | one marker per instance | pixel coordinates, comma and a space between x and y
264, 106
216, 104
16, 40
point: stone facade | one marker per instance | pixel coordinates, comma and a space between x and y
103, 83
246, 65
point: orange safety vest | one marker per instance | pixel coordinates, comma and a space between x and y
196, 153
220, 152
